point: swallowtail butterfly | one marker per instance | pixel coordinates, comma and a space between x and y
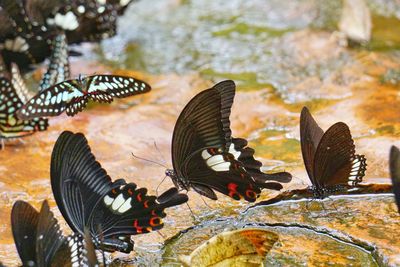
73, 95
394, 164
206, 157
329, 157
13, 93
87, 197
40, 242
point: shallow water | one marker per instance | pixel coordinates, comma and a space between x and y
282, 55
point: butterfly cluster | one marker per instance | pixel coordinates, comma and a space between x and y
104, 214
28, 28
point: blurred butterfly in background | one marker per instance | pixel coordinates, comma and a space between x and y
206, 157
329, 157
58, 68
40, 242
13, 94
394, 164
21, 40
73, 95
112, 211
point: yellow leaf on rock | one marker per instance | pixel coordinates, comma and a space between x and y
244, 247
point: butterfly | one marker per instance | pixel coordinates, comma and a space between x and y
40, 242
394, 164
87, 197
73, 95
21, 40
206, 157
13, 93
329, 157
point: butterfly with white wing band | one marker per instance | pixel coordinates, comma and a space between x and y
87, 197
73, 95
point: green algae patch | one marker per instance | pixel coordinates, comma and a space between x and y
243, 28
272, 145
385, 33
246, 81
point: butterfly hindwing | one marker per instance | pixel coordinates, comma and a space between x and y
394, 164
24, 221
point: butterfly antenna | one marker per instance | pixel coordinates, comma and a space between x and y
160, 184
159, 152
148, 160
159, 232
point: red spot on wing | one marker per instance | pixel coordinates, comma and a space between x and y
233, 193
139, 197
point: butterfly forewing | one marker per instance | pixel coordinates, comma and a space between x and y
394, 164
310, 136
203, 123
334, 157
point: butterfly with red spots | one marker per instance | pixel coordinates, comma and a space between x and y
206, 157
112, 211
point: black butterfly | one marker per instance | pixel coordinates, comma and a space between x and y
394, 163
206, 157
21, 40
13, 93
112, 211
40, 242
329, 157
73, 95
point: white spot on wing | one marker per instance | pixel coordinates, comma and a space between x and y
126, 206
108, 200
234, 152
205, 154
118, 201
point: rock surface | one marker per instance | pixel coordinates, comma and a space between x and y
282, 56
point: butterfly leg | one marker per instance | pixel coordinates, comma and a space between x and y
160, 184
204, 201
21, 141
159, 232
333, 203
2, 144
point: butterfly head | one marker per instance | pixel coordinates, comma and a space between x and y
177, 180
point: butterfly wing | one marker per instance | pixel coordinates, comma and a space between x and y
77, 179
245, 155
310, 136
335, 161
203, 123
10, 125
115, 86
394, 164
18, 82
24, 221
58, 69
55, 100
49, 238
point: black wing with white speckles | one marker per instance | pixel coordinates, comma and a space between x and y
73, 95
